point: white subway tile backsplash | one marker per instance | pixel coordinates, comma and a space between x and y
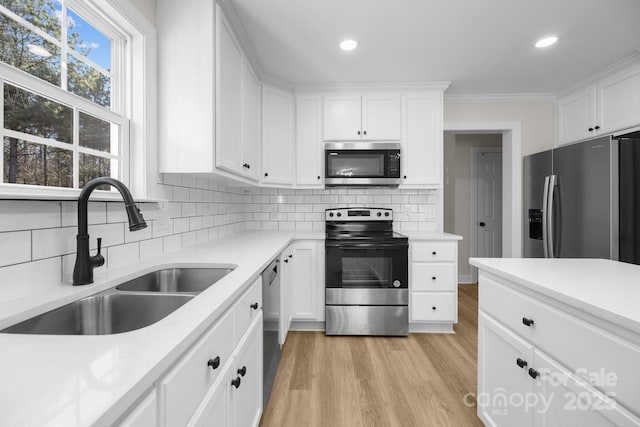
136, 236
189, 239
180, 194
189, 209
116, 212
96, 213
189, 181
172, 178
202, 235
196, 223
172, 243
123, 255
15, 247
111, 234
28, 215
22, 280
51, 242
151, 248
180, 225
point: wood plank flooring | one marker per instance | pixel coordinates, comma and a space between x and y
419, 380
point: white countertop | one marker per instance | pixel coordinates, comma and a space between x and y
429, 235
54, 380
604, 288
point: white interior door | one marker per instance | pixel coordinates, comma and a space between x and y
488, 204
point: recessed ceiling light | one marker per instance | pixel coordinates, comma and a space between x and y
547, 41
348, 44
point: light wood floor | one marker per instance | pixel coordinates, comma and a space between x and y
418, 380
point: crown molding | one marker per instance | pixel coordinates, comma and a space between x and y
499, 97
628, 61
377, 87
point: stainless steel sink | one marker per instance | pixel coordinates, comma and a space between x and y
102, 314
172, 280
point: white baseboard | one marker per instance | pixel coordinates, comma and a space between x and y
431, 328
307, 325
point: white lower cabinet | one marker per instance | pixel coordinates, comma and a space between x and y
539, 365
433, 284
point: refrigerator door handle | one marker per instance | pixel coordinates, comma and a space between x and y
545, 231
549, 213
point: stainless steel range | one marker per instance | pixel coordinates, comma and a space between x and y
366, 273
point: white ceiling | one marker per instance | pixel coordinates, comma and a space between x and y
481, 46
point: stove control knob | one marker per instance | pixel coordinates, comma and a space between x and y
379, 213
339, 214
386, 214
331, 214
396, 283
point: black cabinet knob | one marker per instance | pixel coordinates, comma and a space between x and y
236, 382
214, 363
433, 308
287, 261
290, 255
527, 322
590, 129
597, 127
433, 278
254, 306
521, 363
365, 132
482, 224
318, 176
242, 371
248, 166
433, 253
533, 373
266, 174
405, 177
358, 132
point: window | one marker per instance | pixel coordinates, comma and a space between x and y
67, 98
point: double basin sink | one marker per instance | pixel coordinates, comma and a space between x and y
132, 305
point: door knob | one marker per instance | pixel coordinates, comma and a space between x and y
482, 224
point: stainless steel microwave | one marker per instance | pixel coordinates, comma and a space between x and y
362, 164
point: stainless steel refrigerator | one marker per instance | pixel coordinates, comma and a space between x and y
629, 197
570, 199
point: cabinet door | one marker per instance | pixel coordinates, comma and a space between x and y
501, 381
342, 118
381, 117
228, 99
285, 292
251, 126
246, 399
564, 400
421, 161
303, 281
309, 141
277, 136
576, 114
619, 101
215, 409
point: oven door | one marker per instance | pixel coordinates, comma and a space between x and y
366, 265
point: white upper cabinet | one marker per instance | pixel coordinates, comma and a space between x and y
367, 118
277, 136
309, 141
251, 124
229, 67
610, 105
186, 85
421, 152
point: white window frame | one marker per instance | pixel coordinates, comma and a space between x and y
134, 102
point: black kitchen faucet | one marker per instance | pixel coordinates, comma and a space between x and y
85, 263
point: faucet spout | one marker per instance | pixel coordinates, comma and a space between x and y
85, 263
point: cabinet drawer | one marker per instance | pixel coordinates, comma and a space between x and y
427, 306
188, 382
433, 251
586, 350
433, 277
245, 310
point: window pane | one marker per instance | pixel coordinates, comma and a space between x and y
33, 114
28, 51
36, 164
92, 167
96, 134
85, 39
86, 81
44, 14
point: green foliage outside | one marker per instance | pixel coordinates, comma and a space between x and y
37, 164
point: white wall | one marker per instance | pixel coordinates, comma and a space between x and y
148, 9
457, 191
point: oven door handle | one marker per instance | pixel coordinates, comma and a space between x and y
363, 245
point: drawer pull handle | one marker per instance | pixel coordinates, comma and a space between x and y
236, 382
214, 363
533, 373
521, 363
433, 278
242, 371
433, 308
433, 253
527, 322
254, 305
